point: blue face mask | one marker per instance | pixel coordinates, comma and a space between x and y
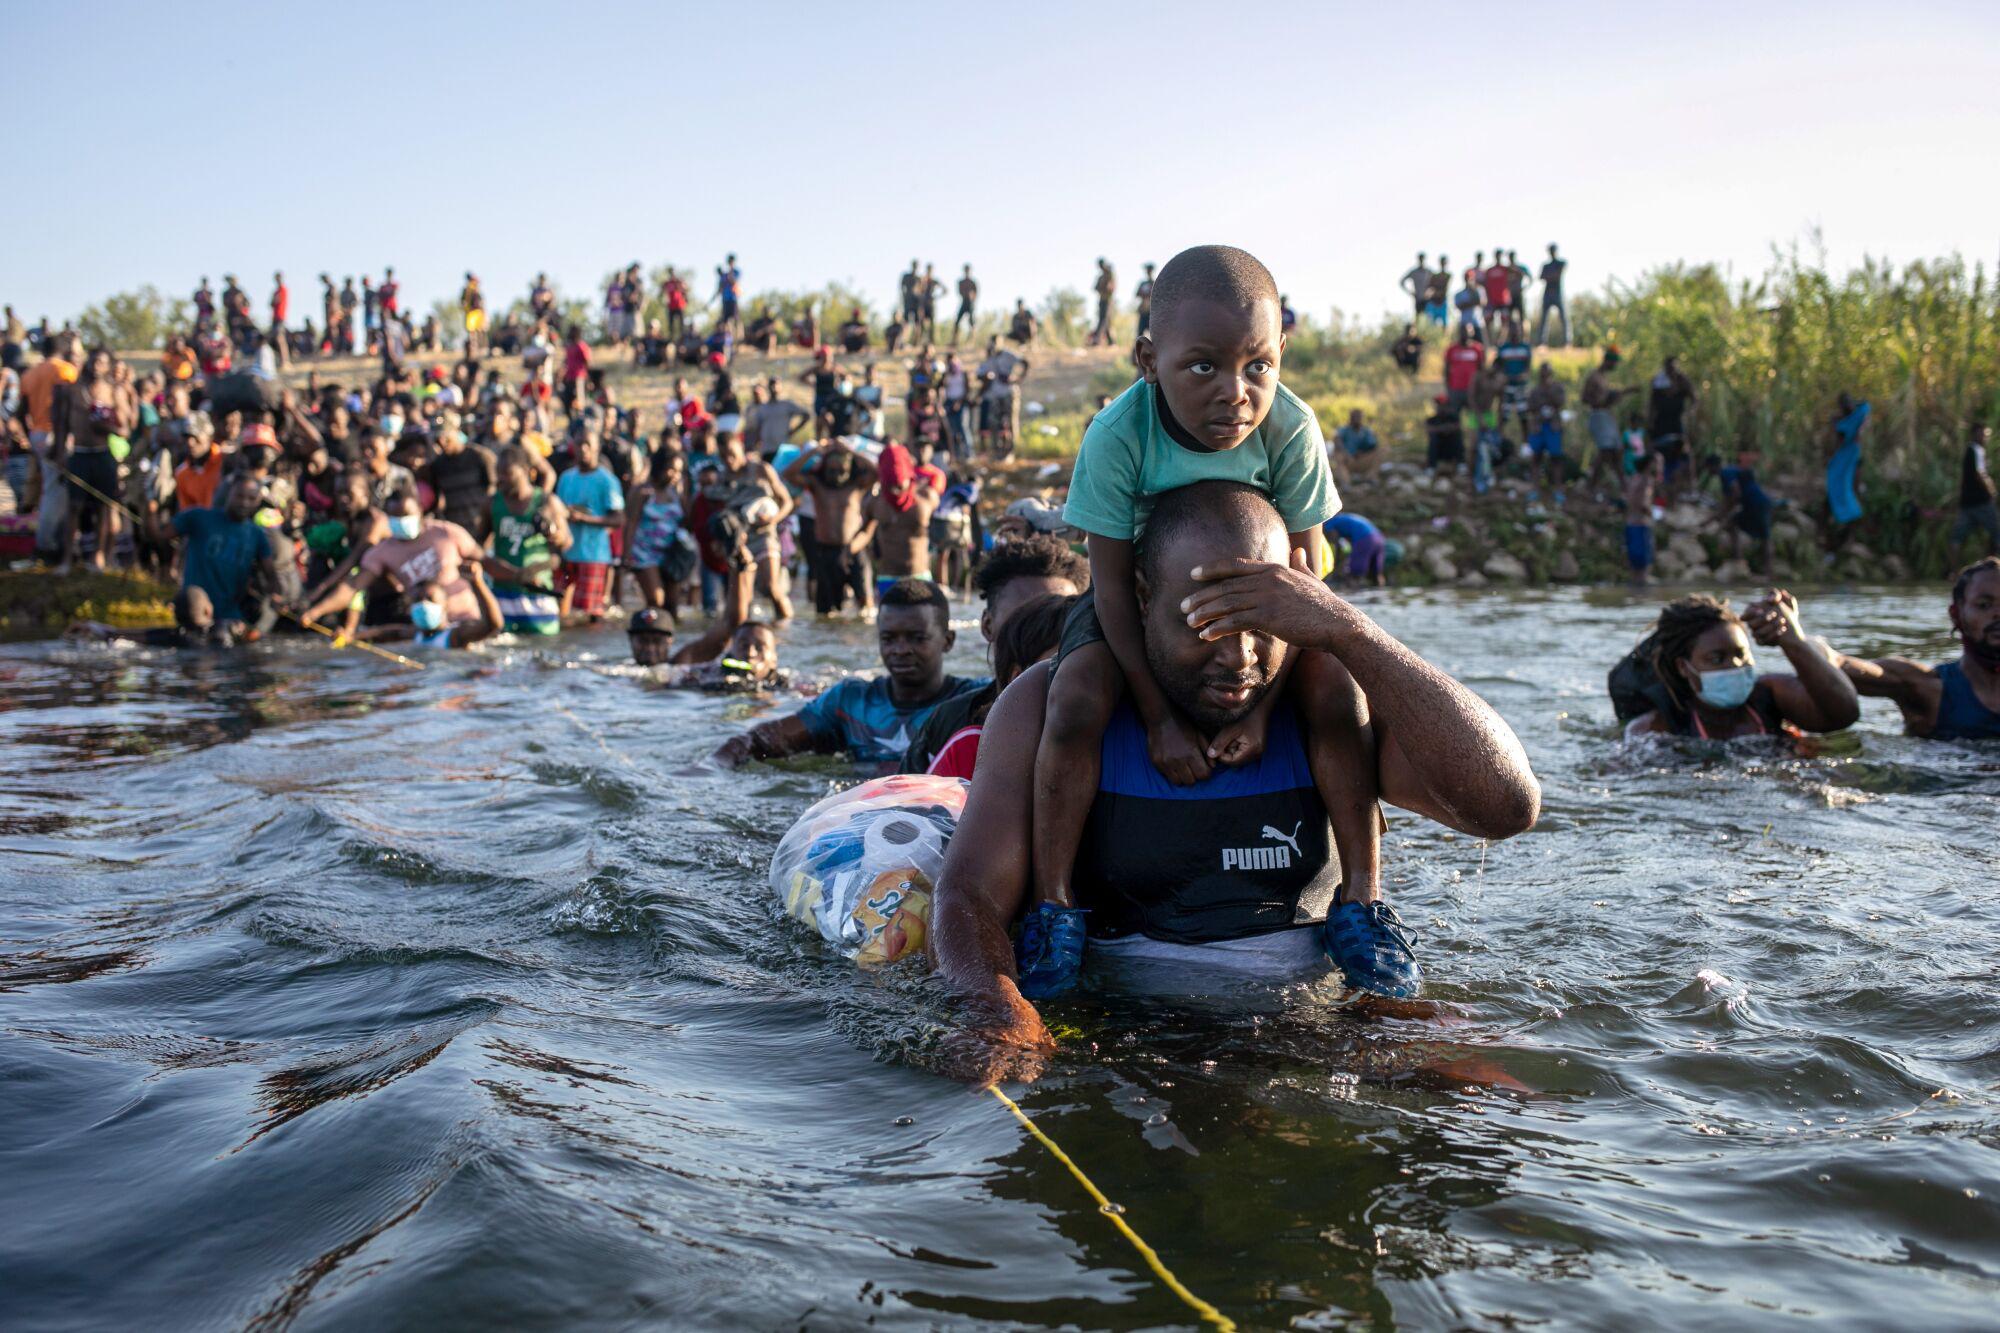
405, 527
392, 426
1728, 688
427, 616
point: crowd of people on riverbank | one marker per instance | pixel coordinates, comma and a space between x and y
1171, 664
1500, 411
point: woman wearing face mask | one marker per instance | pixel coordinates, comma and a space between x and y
1694, 675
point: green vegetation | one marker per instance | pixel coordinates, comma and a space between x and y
37, 599
130, 320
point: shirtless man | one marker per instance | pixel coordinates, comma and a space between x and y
1954, 700
838, 480
968, 298
899, 520
1600, 398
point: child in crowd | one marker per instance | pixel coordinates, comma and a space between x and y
1209, 407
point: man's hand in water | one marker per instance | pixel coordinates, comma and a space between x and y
1775, 620
1005, 1041
1258, 597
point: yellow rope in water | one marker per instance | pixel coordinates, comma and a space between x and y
339, 640
1116, 1214
342, 641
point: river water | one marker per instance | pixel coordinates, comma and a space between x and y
335, 996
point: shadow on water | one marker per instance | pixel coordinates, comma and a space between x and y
337, 995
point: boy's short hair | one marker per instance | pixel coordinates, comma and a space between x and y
918, 592
1219, 273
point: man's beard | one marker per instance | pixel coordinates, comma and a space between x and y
1985, 649
1184, 690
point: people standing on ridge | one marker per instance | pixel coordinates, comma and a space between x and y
1552, 298
1106, 288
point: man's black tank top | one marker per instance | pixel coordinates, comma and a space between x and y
1246, 852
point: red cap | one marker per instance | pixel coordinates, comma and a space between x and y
257, 433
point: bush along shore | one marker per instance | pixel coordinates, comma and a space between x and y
37, 601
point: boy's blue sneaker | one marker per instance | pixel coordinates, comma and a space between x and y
1049, 951
1374, 949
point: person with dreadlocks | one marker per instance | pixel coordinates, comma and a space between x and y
1952, 701
1694, 675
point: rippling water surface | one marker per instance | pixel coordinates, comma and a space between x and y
338, 996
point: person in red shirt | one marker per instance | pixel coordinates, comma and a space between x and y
675, 293
576, 368
1498, 280
281, 306
386, 294
1463, 361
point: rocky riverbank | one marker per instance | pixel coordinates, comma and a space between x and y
1450, 536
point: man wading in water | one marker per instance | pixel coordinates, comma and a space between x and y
1236, 872
1952, 701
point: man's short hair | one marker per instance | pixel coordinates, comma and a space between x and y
918, 592
1036, 557
1219, 273
1962, 583
1229, 508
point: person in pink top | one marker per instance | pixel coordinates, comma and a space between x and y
576, 368
419, 551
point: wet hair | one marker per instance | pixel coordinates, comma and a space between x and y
1036, 557
1219, 273
918, 592
1229, 507
1030, 633
1681, 622
1961, 582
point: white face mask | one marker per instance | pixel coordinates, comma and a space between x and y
392, 426
404, 527
1729, 687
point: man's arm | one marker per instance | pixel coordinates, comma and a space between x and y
983, 885
489, 622
1912, 686
1820, 697
768, 740
341, 594
1441, 750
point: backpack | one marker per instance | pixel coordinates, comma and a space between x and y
677, 563
1635, 687
730, 532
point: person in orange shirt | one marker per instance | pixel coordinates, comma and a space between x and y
40, 385
177, 359
195, 479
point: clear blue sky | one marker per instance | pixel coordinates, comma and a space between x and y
838, 141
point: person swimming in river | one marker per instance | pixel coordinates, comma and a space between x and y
748, 664
1241, 872
1208, 406
1694, 675
1952, 701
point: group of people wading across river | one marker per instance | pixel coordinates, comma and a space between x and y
1182, 754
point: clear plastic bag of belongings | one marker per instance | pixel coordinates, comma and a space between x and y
860, 866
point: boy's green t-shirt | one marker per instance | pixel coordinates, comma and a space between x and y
1128, 458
